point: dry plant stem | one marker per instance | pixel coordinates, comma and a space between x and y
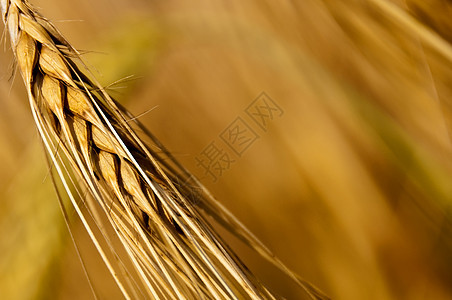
147, 201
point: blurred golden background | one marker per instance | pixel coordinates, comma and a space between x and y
350, 186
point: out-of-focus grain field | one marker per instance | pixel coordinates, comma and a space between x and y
348, 180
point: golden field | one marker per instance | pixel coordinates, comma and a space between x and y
349, 182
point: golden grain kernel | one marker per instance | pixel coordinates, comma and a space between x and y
53, 64
107, 166
78, 103
35, 30
4, 9
26, 56
13, 24
52, 93
106, 142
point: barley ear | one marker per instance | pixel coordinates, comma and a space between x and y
143, 197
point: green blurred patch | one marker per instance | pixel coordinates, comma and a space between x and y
125, 53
